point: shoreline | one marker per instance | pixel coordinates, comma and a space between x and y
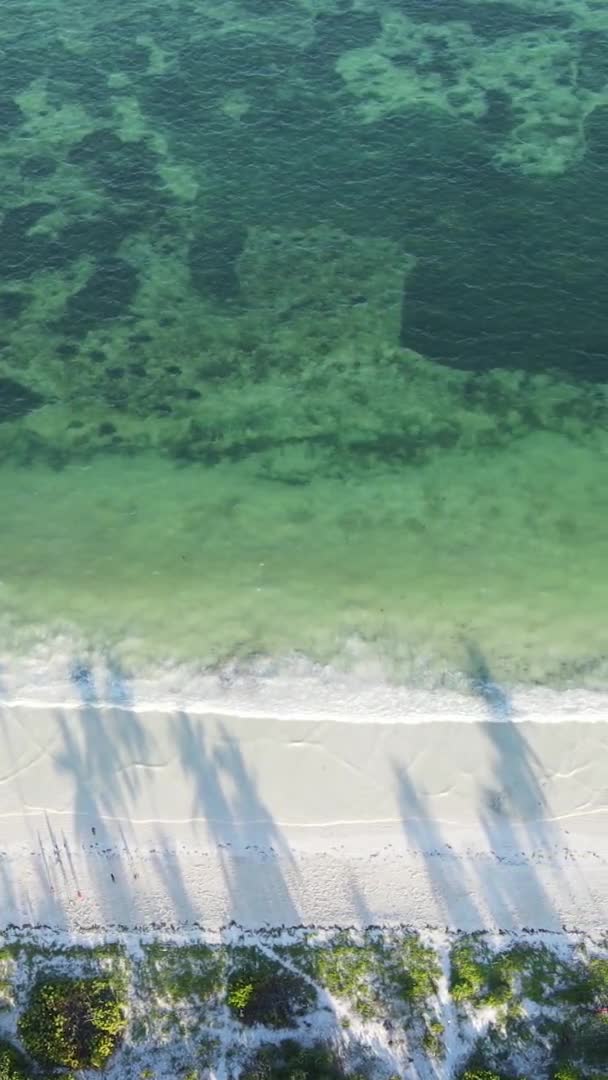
291, 687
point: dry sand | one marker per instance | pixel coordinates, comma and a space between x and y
135, 816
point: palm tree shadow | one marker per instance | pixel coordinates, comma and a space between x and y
484, 686
448, 877
97, 751
256, 863
516, 871
515, 814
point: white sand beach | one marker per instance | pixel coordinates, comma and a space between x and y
125, 815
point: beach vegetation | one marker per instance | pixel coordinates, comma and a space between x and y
480, 1074
240, 996
432, 1039
486, 978
374, 974
586, 984
583, 1042
262, 990
290, 1061
73, 1023
347, 970
415, 969
468, 970
13, 1065
183, 972
545, 1006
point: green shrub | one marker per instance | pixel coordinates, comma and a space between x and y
480, 1074
417, 981
12, 1064
538, 968
586, 984
185, 971
75, 1023
240, 996
289, 1061
467, 972
350, 971
581, 1048
262, 991
598, 977
486, 978
589, 1041
432, 1039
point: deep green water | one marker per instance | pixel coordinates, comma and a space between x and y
304, 332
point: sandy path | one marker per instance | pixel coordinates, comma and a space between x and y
111, 816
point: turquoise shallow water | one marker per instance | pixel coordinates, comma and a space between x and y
303, 331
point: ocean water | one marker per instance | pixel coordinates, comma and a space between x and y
304, 334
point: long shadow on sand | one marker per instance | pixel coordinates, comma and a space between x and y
96, 758
515, 815
87, 851
492, 886
232, 814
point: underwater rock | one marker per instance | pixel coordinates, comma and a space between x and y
98, 236
21, 254
126, 170
486, 20
16, 400
38, 167
107, 294
10, 115
212, 259
11, 304
519, 278
593, 60
342, 30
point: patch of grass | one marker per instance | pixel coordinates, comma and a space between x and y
598, 976
432, 1039
289, 1061
240, 996
528, 971
539, 970
207, 1052
484, 978
110, 960
74, 1023
480, 1074
583, 1044
110, 950
301, 954
13, 1065
139, 1030
190, 971
262, 991
417, 970
348, 970
586, 984
113, 951
468, 970
373, 973
7, 965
